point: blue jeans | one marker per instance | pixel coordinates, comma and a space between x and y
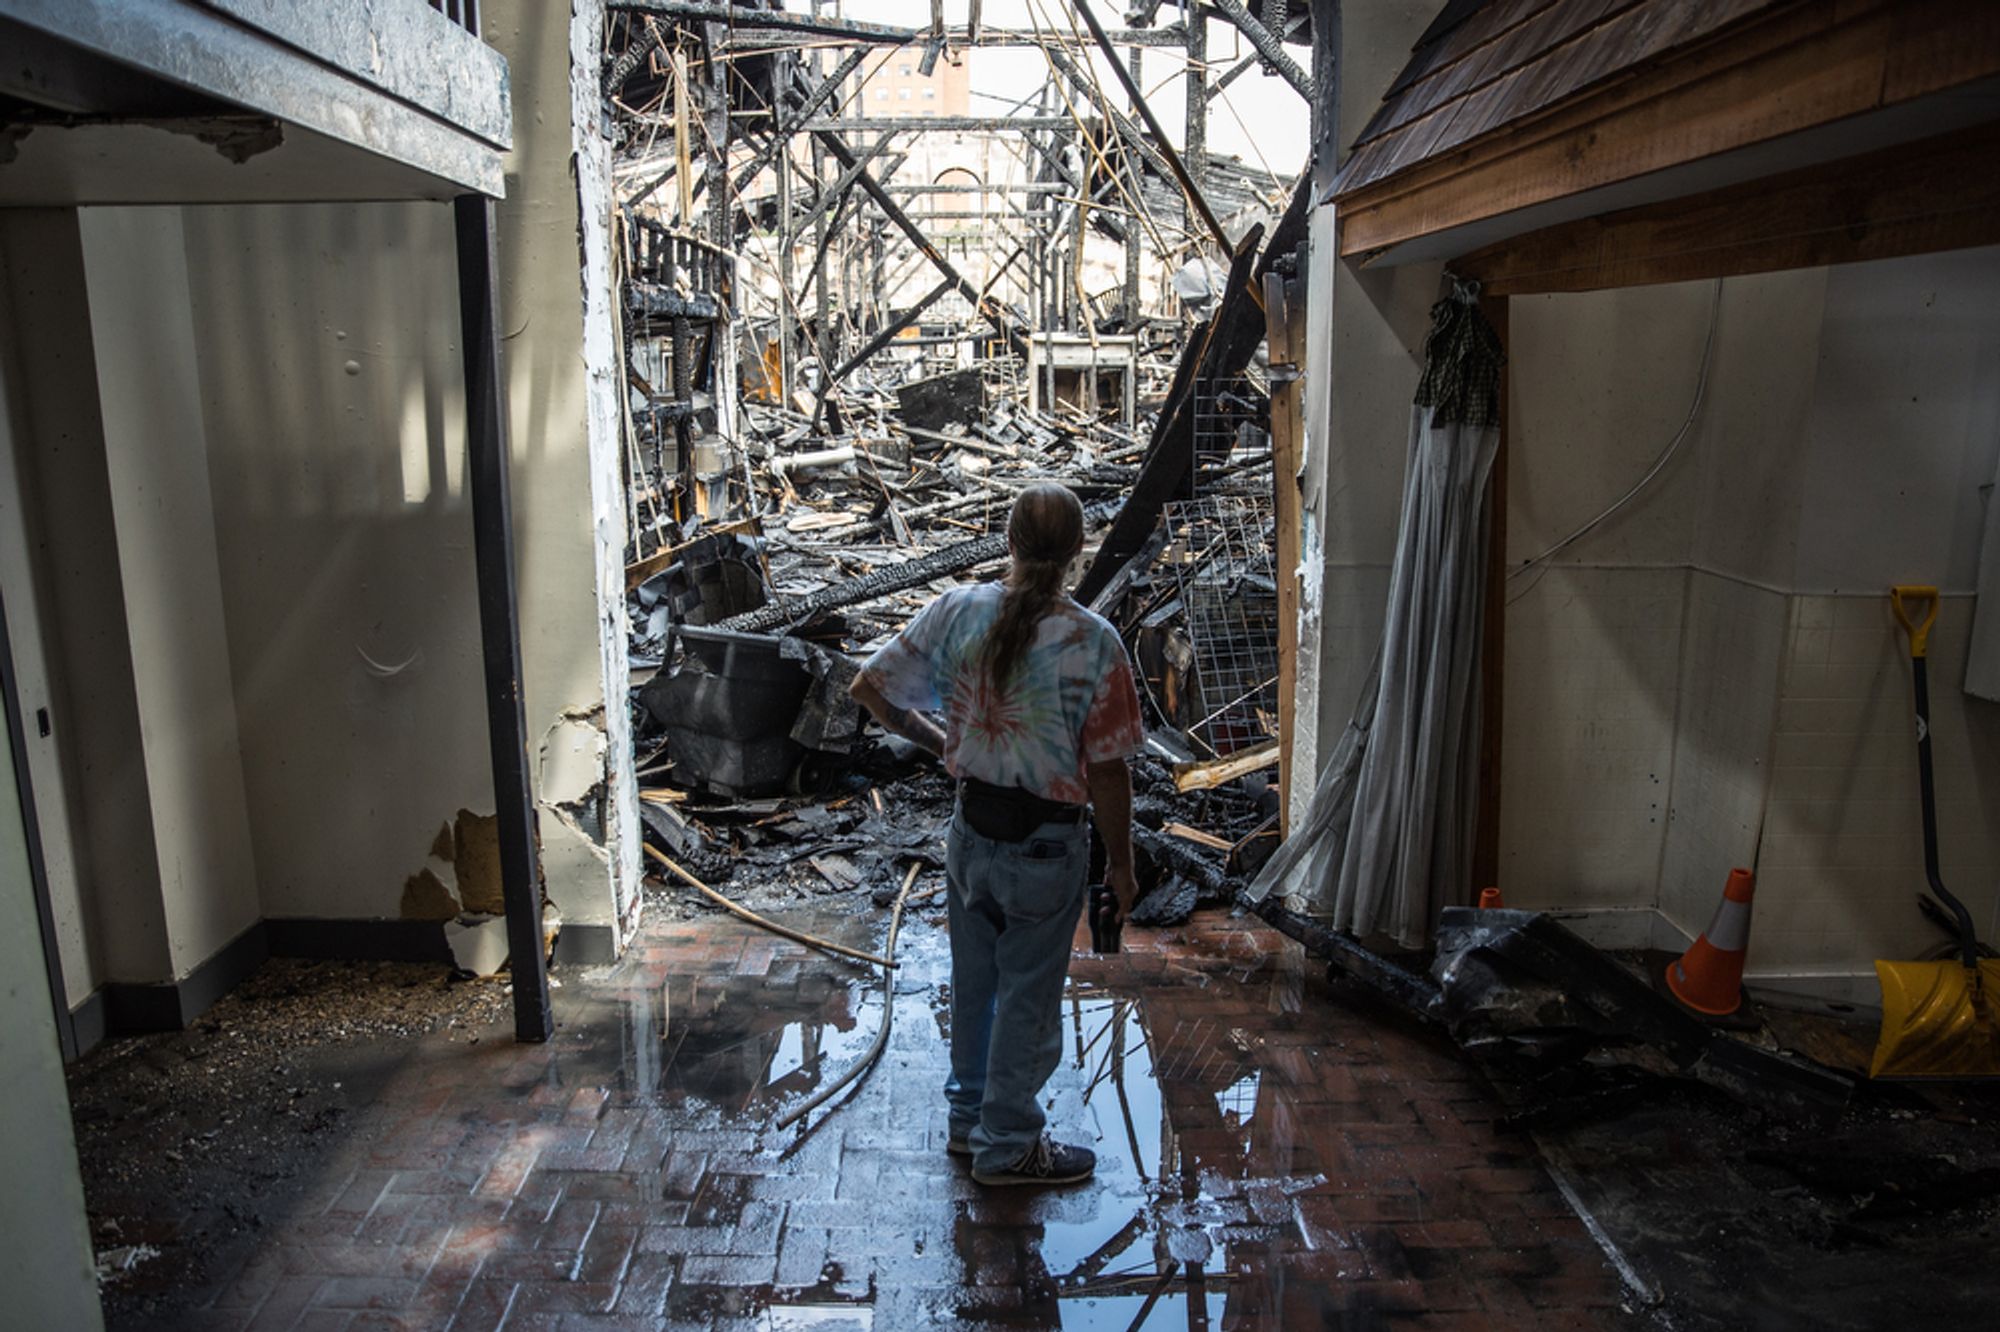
1014, 908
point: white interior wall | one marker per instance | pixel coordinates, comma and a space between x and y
564, 386
1598, 384
1903, 433
1744, 543
1727, 641
89, 669
330, 376
165, 532
36, 669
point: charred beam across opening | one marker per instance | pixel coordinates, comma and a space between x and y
768, 25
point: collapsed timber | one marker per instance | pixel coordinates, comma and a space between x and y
746, 633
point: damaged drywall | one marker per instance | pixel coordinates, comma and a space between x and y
425, 897
459, 887
463, 873
620, 830
572, 785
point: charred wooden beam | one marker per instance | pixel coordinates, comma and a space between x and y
898, 577
1231, 340
887, 335
833, 194
989, 309
1135, 140
804, 26
499, 613
815, 99
1196, 200
1266, 44
658, 302
1414, 994
914, 124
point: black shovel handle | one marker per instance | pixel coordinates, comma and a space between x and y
1918, 630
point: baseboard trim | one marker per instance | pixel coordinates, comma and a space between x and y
1649, 927
586, 945
227, 968
327, 939
141, 1008
1860, 990
88, 1022
128, 1008
1622, 927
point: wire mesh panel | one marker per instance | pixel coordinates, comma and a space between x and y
1223, 559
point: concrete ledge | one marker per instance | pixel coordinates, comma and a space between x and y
358, 940
586, 945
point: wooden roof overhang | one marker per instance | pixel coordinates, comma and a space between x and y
1568, 145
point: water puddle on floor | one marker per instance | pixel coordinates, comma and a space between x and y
1192, 1132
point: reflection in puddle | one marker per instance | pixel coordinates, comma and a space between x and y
1187, 1121
818, 1318
1238, 1101
1118, 1311
734, 1049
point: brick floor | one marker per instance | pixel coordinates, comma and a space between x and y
1268, 1159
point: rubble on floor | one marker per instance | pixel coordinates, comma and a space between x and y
194, 1143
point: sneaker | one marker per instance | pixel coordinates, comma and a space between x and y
1047, 1162
958, 1145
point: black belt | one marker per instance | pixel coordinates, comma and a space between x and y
1009, 813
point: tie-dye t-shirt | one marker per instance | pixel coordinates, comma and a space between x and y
1072, 701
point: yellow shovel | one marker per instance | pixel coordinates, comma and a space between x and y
1939, 1019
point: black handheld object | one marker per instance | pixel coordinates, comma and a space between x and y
1105, 924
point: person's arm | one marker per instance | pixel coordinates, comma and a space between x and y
914, 727
1111, 805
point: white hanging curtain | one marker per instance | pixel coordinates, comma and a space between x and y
1387, 841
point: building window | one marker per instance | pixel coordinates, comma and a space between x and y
903, 94
929, 92
881, 94
903, 70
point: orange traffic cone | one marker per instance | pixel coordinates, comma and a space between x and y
1709, 976
1489, 898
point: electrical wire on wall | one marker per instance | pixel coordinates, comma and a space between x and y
1659, 464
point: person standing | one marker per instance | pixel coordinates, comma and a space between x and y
1040, 720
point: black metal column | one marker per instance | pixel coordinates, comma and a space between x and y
499, 613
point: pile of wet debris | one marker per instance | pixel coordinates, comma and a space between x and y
1739, 1171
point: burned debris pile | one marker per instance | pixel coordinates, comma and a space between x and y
744, 642
852, 334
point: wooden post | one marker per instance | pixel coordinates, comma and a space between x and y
1285, 313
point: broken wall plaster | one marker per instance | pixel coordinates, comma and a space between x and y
572, 778
236, 138
475, 860
425, 897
